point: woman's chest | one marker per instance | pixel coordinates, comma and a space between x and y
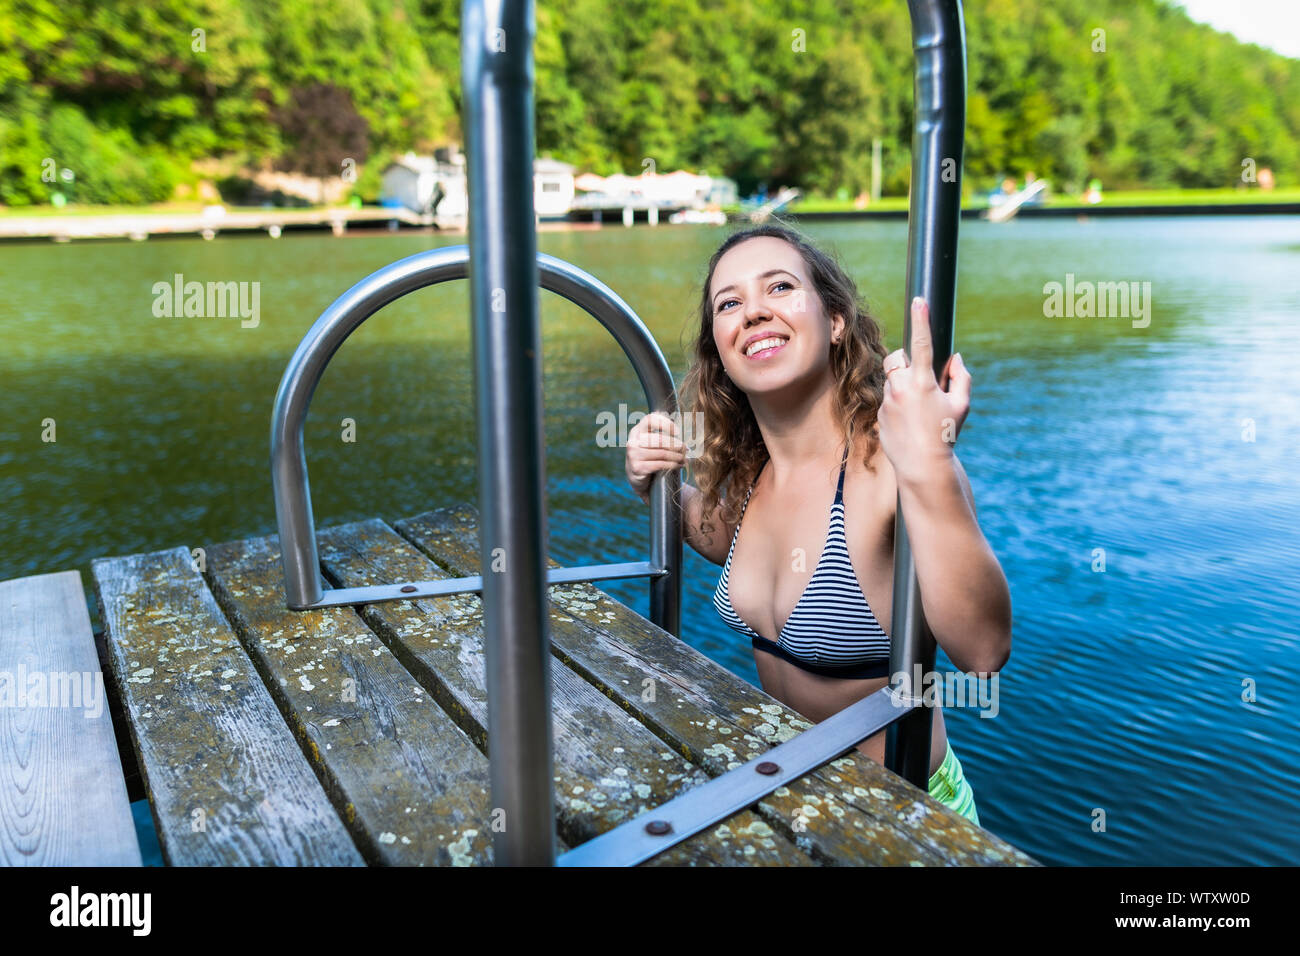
784, 547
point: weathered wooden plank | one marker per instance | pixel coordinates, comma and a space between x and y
412, 786
227, 782
63, 798
608, 767
853, 810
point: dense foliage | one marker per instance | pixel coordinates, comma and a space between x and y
125, 94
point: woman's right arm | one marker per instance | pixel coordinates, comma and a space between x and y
653, 446
717, 543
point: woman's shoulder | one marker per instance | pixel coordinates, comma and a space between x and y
872, 480
879, 483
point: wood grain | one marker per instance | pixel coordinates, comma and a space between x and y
410, 783
608, 767
850, 812
63, 798
226, 780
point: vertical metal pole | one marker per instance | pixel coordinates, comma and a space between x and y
938, 37
666, 545
497, 78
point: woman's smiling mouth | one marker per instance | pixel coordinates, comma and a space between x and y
765, 347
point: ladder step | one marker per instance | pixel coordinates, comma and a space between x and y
414, 590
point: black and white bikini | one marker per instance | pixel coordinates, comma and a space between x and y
832, 630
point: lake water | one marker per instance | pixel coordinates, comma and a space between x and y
1157, 690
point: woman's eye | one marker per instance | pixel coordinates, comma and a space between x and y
722, 305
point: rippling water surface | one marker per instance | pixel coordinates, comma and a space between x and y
1158, 690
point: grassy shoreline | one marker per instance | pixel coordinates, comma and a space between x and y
1136, 197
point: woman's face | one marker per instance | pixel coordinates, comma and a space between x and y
768, 322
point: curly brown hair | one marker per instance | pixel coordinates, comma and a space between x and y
730, 448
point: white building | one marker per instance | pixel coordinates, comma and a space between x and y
437, 184
552, 188
411, 181
678, 189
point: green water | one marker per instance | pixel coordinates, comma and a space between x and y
1124, 689
161, 424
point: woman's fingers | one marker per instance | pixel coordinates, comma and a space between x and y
959, 380
660, 454
647, 460
922, 347
653, 447
894, 361
655, 430
658, 440
657, 422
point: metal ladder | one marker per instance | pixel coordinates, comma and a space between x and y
505, 271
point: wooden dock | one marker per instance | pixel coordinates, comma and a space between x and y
353, 736
274, 222
208, 224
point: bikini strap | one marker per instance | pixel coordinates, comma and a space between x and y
839, 489
745, 503
756, 474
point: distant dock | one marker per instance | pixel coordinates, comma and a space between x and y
208, 224
272, 222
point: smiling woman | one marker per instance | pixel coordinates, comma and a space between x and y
803, 406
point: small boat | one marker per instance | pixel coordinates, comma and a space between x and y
708, 217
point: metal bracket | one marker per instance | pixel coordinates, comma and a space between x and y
414, 590
682, 817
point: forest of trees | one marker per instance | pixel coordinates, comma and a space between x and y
129, 93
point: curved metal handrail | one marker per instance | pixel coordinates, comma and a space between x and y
304, 588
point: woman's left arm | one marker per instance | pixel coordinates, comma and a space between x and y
964, 593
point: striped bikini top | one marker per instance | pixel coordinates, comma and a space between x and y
832, 623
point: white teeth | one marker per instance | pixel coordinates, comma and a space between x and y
764, 344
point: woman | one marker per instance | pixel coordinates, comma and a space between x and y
802, 409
